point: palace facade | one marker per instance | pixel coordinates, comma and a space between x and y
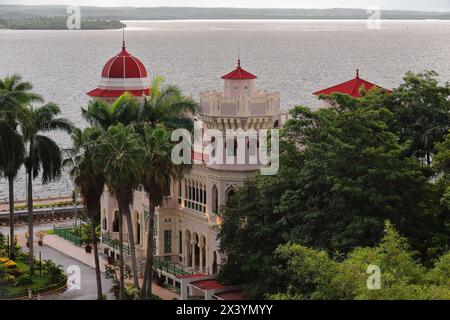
187, 224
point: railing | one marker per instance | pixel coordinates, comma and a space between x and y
67, 234
169, 267
106, 239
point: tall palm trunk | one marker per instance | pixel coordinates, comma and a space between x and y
96, 259
12, 244
148, 273
132, 246
121, 263
30, 220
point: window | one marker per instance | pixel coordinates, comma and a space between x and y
195, 197
180, 242
215, 199
167, 241
116, 222
231, 192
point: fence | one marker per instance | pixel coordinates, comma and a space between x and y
67, 234
169, 267
114, 244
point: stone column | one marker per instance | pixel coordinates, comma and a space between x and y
207, 267
193, 243
201, 246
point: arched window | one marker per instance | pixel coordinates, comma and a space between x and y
230, 193
215, 199
138, 228
116, 222
214, 266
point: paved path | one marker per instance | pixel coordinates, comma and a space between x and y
88, 288
71, 250
64, 253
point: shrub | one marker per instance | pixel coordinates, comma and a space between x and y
311, 274
24, 280
131, 293
55, 272
10, 279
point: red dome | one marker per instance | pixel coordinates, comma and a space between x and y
124, 65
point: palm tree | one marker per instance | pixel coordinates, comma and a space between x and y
156, 177
15, 94
123, 110
11, 158
90, 180
166, 109
167, 106
119, 151
44, 156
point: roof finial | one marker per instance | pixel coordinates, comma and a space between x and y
357, 73
123, 38
239, 55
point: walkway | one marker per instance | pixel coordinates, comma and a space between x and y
64, 253
88, 288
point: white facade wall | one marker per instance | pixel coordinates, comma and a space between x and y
196, 221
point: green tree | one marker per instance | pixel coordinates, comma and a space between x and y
312, 274
11, 158
422, 109
90, 180
15, 94
164, 110
123, 110
44, 156
342, 173
120, 152
157, 174
166, 105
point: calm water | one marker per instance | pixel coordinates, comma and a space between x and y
295, 58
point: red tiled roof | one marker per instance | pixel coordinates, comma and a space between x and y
239, 74
105, 93
350, 88
207, 284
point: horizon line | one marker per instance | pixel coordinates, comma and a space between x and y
221, 7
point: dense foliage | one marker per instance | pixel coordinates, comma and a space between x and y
344, 171
313, 274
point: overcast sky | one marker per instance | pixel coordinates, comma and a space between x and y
428, 5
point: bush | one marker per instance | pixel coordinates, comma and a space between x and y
131, 293
10, 279
312, 274
24, 280
55, 272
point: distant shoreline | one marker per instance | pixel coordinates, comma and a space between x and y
49, 12
57, 23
